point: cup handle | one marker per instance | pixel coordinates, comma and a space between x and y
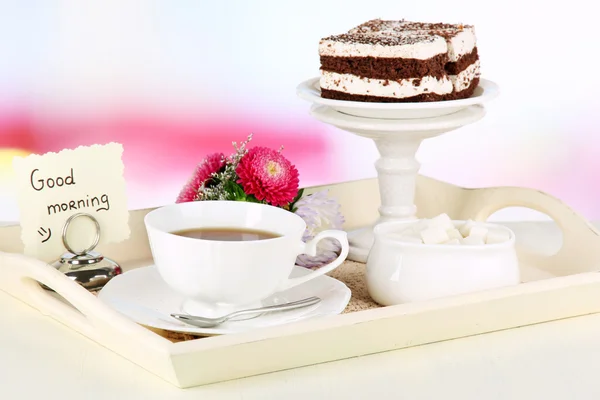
310, 248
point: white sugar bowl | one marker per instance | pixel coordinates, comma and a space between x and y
400, 269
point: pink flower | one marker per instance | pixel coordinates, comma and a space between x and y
192, 189
268, 175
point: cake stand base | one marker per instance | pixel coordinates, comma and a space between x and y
361, 241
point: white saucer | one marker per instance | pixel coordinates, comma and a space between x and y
310, 90
142, 296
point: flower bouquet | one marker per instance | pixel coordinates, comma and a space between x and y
263, 175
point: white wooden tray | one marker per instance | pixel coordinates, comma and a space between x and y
563, 285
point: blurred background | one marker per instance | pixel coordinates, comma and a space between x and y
175, 80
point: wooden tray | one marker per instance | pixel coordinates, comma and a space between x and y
563, 285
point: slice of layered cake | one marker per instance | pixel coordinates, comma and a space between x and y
400, 61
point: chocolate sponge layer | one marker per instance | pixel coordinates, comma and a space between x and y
387, 68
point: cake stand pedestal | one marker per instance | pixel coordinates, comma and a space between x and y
397, 141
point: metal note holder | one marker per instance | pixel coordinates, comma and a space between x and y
87, 267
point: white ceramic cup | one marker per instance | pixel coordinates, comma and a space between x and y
401, 272
217, 277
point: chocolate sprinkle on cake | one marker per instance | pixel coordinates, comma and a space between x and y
399, 40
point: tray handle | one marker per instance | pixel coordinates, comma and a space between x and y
581, 241
82, 311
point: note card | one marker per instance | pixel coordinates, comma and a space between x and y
54, 186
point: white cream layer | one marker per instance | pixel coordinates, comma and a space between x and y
419, 51
457, 46
353, 84
465, 77
462, 44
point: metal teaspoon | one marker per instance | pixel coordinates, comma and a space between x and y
203, 322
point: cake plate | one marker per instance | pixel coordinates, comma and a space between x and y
310, 90
397, 140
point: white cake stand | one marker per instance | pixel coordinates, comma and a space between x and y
397, 130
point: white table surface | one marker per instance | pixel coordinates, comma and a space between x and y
40, 358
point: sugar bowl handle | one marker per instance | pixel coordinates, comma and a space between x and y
310, 248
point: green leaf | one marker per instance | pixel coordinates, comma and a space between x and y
298, 197
250, 198
234, 191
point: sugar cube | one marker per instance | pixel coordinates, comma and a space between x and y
497, 236
434, 236
465, 229
473, 240
441, 221
478, 230
454, 234
453, 242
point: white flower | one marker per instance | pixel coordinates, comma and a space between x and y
320, 213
